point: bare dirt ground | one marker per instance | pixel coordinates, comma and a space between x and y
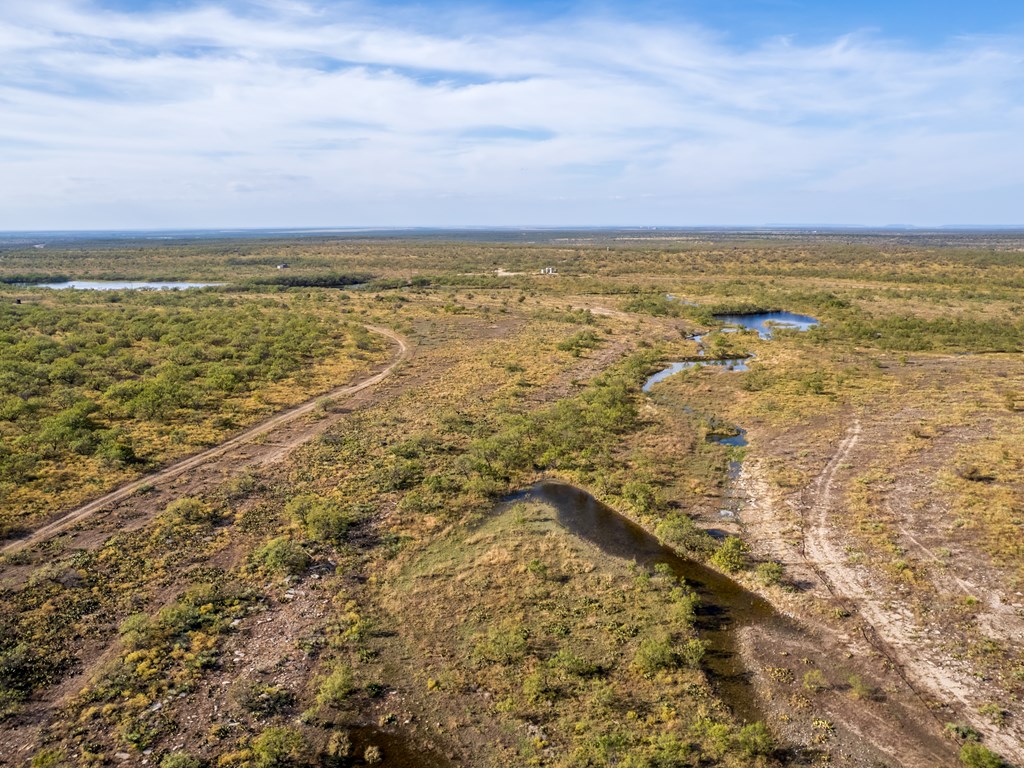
263, 443
917, 628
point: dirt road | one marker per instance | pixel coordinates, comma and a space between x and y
198, 460
892, 629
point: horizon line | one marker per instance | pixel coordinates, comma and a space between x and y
331, 229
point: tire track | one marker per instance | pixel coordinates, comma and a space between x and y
891, 634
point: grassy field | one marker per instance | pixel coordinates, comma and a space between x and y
362, 593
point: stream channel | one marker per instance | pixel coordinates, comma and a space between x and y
725, 606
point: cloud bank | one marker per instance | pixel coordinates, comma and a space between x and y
288, 113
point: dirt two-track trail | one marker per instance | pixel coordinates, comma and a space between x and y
263, 429
892, 634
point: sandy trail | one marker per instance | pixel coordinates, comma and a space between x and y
249, 436
890, 629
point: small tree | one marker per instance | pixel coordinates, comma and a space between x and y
731, 557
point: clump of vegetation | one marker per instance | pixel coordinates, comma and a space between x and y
975, 755
283, 556
192, 511
335, 687
814, 680
769, 573
263, 699
181, 760
577, 343
657, 304
321, 519
754, 740
281, 747
681, 533
731, 556
503, 644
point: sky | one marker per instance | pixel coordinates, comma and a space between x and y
147, 114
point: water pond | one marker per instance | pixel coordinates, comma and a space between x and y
766, 322
738, 440
122, 285
725, 605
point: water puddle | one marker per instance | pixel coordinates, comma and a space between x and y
738, 440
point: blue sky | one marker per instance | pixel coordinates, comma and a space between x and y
223, 113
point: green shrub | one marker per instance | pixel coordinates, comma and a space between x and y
684, 605
575, 665
642, 497
680, 532
962, 732
657, 304
191, 510
692, 652
505, 644
769, 573
994, 713
655, 654
815, 680
731, 556
280, 747
181, 760
137, 631
755, 739
282, 555
538, 688
322, 520
859, 689
398, 474
335, 687
576, 343
975, 755
48, 758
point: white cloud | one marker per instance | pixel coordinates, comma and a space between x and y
298, 116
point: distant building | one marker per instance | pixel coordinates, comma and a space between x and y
548, 271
